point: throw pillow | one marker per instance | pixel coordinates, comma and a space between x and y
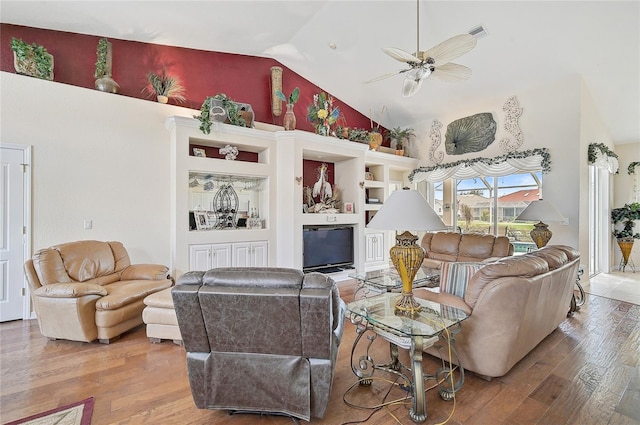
454, 277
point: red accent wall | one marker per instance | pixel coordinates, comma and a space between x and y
244, 78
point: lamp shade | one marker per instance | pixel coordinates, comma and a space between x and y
541, 210
406, 210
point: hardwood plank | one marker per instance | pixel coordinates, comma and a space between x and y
579, 374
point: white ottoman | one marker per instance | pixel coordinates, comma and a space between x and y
160, 317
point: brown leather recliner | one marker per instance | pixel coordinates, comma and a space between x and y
260, 339
89, 290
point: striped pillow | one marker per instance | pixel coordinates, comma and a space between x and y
454, 277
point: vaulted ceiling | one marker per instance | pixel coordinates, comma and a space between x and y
337, 45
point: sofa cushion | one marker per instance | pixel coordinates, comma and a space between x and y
454, 277
523, 266
554, 257
128, 291
443, 246
84, 260
475, 247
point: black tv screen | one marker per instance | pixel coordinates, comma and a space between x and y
325, 247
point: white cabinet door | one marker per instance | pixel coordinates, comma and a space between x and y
250, 254
260, 256
241, 254
221, 255
205, 257
374, 247
199, 257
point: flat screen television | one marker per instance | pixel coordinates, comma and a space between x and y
327, 248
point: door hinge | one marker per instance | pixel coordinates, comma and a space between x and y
24, 291
24, 230
24, 167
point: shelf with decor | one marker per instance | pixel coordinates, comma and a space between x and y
318, 162
217, 199
386, 173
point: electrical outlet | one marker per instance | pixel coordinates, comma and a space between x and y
88, 224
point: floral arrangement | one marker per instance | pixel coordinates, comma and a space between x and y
631, 169
322, 114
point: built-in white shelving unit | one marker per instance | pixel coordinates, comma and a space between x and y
279, 200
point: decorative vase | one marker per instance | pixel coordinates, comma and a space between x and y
162, 99
400, 152
289, 119
107, 84
375, 140
625, 247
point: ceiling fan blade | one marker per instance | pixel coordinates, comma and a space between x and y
400, 55
450, 49
382, 77
411, 86
451, 72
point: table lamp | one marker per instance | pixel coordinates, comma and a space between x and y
406, 210
540, 210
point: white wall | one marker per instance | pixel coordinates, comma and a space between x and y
550, 119
96, 156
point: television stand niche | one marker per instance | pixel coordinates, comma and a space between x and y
327, 249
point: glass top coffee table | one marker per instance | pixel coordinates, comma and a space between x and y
416, 333
388, 279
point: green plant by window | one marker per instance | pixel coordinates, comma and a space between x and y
35, 58
626, 215
631, 169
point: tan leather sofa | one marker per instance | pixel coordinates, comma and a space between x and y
89, 290
463, 247
513, 303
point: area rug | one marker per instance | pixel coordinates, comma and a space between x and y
78, 413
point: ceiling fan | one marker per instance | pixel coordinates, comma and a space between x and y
435, 62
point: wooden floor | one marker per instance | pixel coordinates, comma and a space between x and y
586, 372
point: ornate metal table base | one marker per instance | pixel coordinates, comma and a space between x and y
413, 376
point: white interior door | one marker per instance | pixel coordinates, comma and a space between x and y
14, 240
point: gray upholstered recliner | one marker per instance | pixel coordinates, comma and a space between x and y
260, 339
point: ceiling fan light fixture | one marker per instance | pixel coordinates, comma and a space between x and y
410, 86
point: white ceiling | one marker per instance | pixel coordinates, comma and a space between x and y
529, 44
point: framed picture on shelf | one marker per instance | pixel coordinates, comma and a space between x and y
199, 152
347, 207
368, 175
202, 220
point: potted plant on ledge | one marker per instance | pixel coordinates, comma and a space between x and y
289, 119
400, 136
32, 59
164, 87
625, 237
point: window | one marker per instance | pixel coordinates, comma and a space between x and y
489, 204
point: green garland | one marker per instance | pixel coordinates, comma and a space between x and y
544, 152
632, 167
591, 153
